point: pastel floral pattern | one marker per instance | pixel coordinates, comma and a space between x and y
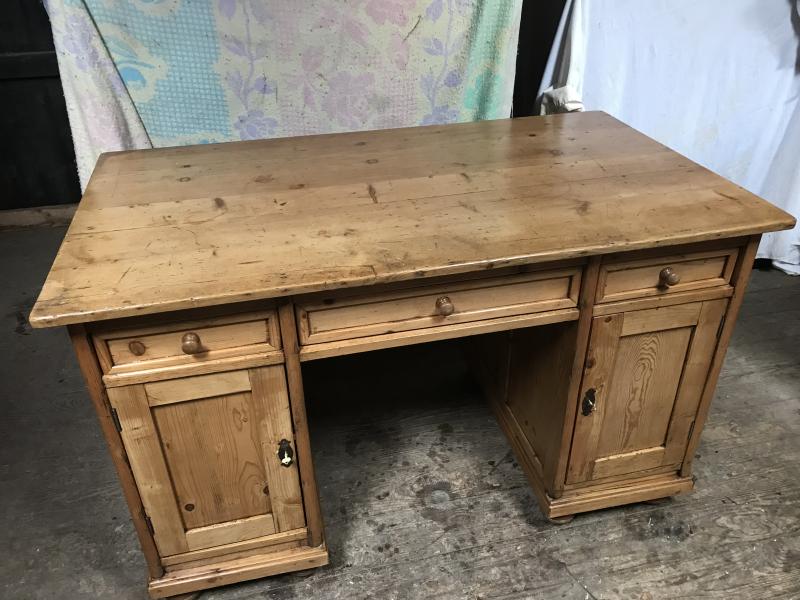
347, 99
139, 68
392, 11
77, 40
444, 48
248, 87
192, 71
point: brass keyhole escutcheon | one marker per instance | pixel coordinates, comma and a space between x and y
285, 453
589, 403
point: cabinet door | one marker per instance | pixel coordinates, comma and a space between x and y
644, 376
204, 452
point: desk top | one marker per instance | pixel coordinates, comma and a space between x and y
175, 228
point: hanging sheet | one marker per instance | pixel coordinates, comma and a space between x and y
718, 81
142, 73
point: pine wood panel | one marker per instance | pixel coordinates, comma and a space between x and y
642, 390
671, 317
214, 454
200, 386
539, 378
215, 224
635, 461
230, 532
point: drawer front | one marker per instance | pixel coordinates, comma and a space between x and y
626, 279
330, 318
188, 342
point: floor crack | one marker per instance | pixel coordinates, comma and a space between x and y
589, 594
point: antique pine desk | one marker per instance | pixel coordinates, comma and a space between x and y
594, 274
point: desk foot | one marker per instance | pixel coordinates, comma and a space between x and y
234, 570
659, 501
560, 520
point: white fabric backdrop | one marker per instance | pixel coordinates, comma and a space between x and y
718, 81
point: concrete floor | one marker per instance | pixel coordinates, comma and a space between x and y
422, 498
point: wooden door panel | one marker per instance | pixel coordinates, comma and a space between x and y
646, 371
642, 390
231, 532
215, 458
628, 462
695, 373
203, 451
274, 416
197, 387
140, 437
660, 319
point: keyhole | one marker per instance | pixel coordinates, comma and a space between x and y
189, 507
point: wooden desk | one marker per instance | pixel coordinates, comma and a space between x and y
594, 275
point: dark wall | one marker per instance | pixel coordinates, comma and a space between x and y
37, 161
537, 29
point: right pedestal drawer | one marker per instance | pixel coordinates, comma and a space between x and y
624, 279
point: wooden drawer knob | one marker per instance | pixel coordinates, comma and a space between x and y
668, 277
444, 306
190, 343
136, 347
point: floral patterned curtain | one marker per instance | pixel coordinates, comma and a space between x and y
140, 73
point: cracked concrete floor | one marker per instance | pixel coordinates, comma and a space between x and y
421, 496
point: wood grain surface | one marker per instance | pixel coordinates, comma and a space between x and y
177, 228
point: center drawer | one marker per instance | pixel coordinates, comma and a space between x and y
327, 318
623, 279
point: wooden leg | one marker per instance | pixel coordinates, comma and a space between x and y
87, 360
659, 501
294, 380
560, 520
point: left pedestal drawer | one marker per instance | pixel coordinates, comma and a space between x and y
173, 346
